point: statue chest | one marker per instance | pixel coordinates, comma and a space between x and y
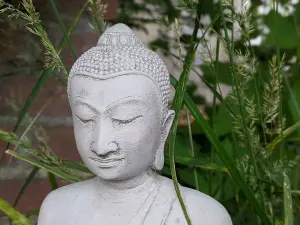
96, 213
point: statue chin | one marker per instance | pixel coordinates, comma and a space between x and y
119, 92
116, 171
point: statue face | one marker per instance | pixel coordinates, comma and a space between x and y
117, 124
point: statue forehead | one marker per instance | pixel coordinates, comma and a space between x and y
105, 91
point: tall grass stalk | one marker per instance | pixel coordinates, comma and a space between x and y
177, 104
179, 47
63, 28
97, 10
247, 28
35, 27
214, 66
237, 91
280, 95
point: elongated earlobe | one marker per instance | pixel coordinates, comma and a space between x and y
158, 162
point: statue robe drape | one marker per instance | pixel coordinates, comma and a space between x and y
157, 207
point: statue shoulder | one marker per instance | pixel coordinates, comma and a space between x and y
61, 199
202, 207
69, 191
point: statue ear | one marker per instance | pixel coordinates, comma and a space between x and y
158, 162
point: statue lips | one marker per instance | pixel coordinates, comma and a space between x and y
106, 163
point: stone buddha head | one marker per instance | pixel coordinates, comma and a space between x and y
119, 92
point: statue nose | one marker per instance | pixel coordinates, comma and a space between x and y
104, 149
103, 143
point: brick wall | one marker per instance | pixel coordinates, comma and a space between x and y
19, 68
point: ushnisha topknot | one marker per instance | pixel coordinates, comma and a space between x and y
120, 52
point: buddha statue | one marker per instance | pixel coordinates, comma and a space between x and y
118, 92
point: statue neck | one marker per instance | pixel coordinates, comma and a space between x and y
128, 190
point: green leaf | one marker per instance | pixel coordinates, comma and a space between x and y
187, 177
223, 73
288, 204
277, 24
294, 100
228, 188
13, 214
183, 148
223, 123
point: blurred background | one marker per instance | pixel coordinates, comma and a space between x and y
258, 30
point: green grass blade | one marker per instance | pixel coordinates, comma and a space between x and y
30, 177
72, 27
197, 163
63, 28
52, 181
33, 213
285, 134
295, 192
76, 166
9, 137
50, 168
288, 204
13, 139
13, 214
292, 96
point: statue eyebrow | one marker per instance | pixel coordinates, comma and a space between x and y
125, 100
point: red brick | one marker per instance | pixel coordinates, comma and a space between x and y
81, 43
62, 142
71, 8
18, 88
31, 198
60, 139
